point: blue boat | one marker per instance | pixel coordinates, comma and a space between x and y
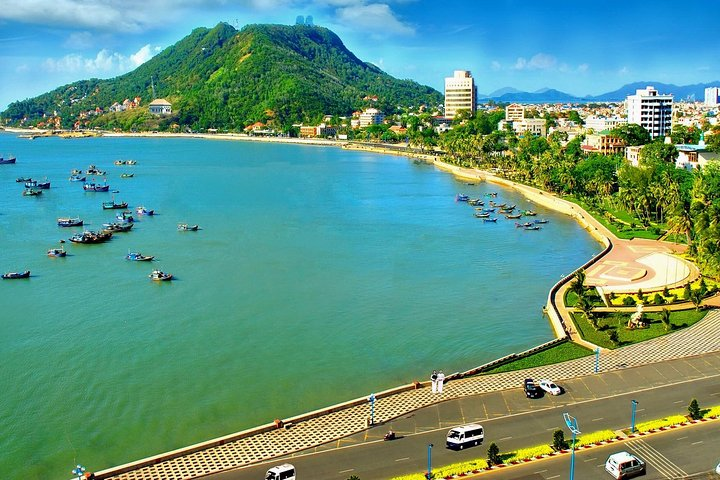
77, 178
460, 197
95, 187
489, 219
138, 257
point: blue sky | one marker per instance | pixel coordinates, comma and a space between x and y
574, 46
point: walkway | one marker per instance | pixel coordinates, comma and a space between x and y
703, 337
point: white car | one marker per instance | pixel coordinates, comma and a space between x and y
717, 469
550, 387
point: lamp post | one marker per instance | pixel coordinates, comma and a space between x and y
78, 470
571, 423
371, 399
429, 470
597, 359
632, 417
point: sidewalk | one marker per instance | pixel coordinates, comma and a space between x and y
703, 337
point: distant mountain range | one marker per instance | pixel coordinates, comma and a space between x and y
549, 95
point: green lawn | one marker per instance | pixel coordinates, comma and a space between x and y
571, 298
617, 321
620, 230
558, 353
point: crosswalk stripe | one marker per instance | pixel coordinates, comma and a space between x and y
659, 461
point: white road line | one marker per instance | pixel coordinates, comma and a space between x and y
655, 458
598, 419
504, 438
680, 401
696, 443
346, 471
554, 476
590, 459
540, 471
402, 459
683, 438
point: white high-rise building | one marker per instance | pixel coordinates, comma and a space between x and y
650, 110
460, 93
712, 95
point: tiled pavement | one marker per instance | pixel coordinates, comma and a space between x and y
704, 337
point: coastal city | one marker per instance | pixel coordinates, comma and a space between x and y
250, 254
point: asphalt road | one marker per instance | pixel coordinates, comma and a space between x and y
513, 421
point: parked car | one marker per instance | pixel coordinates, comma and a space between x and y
531, 390
550, 387
624, 465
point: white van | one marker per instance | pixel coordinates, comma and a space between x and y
467, 435
624, 465
281, 472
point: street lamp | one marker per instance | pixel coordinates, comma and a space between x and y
597, 359
371, 399
78, 470
632, 418
429, 470
571, 423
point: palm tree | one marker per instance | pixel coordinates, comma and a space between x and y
665, 318
577, 286
696, 297
586, 307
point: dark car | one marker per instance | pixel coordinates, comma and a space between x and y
531, 390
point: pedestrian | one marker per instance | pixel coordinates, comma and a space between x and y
434, 380
440, 380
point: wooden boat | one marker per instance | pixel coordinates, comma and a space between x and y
540, 221
498, 205
56, 252
75, 171
119, 162
461, 197
533, 227
505, 211
91, 237
489, 219
529, 213
92, 170
131, 162
184, 227
523, 225
159, 275
144, 211
31, 192
112, 205
7, 161
69, 222
476, 202
125, 216
76, 177
513, 216
488, 210
117, 226
43, 185
23, 179
139, 257
94, 187
482, 215
11, 275
127, 175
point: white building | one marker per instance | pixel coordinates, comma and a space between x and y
650, 110
598, 124
712, 95
534, 126
694, 156
160, 106
460, 93
371, 116
514, 112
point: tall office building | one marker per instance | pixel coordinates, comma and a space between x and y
650, 110
460, 93
712, 95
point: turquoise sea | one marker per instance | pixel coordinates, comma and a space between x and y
319, 275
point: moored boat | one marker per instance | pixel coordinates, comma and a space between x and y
139, 257
540, 221
513, 216
127, 175
6, 161
117, 226
23, 179
112, 205
11, 275
56, 252
125, 216
69, 222
95, 187
159, 275
130, 162
92, 170
523, 225
482, 214
461, 197
476, 202
31, 192
489, 219
43, 185
144, 211
529, 213
119, 162
532, 227
91, 237
76, 177
184, 227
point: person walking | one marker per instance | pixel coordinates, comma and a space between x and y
440, 380
434, 380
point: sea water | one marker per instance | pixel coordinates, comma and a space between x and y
318, 275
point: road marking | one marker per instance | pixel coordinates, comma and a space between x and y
400, 459
640, 410
590, 459
346, 471
597, 419
554, 476
504, 438
654, 457
540, 471
696, 443
680, 401
682, 438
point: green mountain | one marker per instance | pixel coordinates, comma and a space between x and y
227, 79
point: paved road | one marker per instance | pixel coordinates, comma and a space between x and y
510, 420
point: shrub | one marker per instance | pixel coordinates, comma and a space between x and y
559, 442
686, 292
628, 301
614, 338
666, 292
658, 299
529, 453
694, 410
493, 454
663, 422
594, 437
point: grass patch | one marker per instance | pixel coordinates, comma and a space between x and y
607, 322
571, 298
558, 353
619, 222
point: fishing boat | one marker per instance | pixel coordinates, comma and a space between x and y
119, 162
125, 216
92, 170
476, 202
56, 252
529, 213
31, 192
91, 237
461, 197
112, 205
30, 183
487, 210
540, 221
144, 211
482, 215
523, 225
6, 161
76, 177
95, 187
11, 275
23, 179
532, 227
489, 219
69, 222
184, 227
139, 257
513, 216
117, 226
127, 175
43, 185
130, 162
159, 275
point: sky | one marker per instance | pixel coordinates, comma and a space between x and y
582, 48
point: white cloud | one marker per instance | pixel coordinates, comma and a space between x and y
104, 63
583, 67
624, 71
495, 66
375, 17
79, 41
